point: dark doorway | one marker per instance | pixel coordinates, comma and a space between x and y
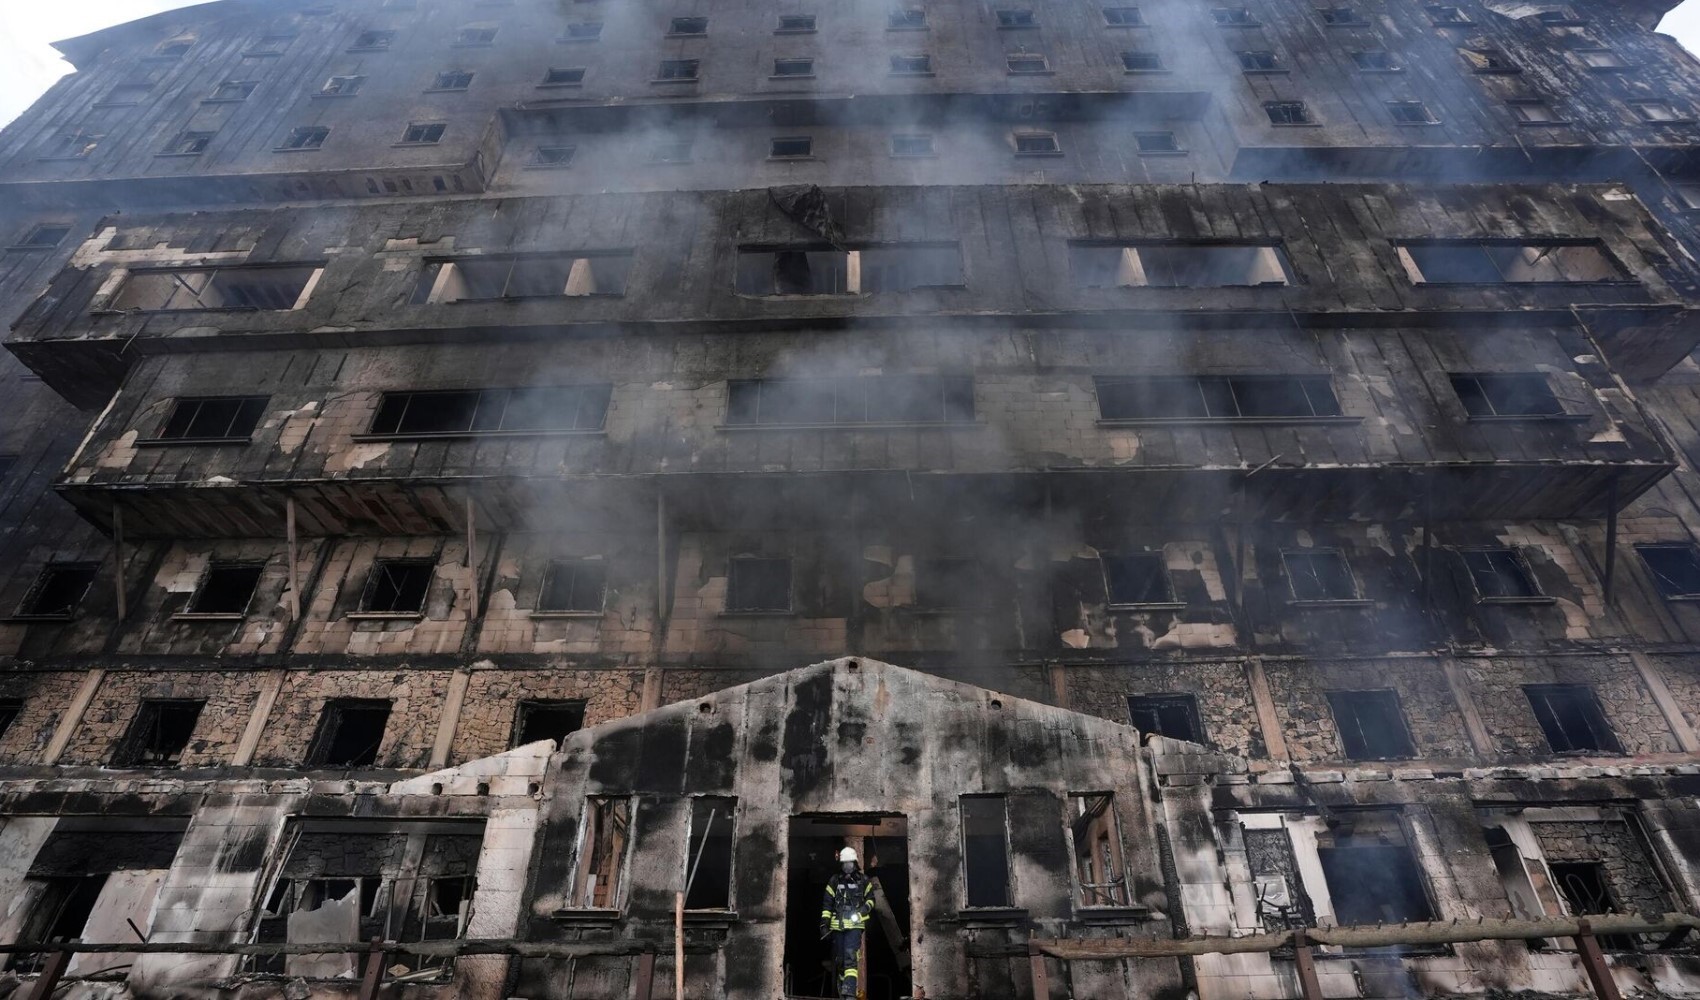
882, 842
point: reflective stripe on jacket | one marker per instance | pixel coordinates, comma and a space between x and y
849, 902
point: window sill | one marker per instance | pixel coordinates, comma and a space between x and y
385, 616
1497, 72
296, 149
918, 28
1164, 152
223, 100
176, 156
1609, 69
535, 298
473, 45
1239, 24
758, 613
934, 156
569, 614
1384, 72
446, 90
1682, 598
1416, 124
1225, 421
689, 82
177, 312
587, 915
1032, 72
1265, 72
410, 145
560, 86
331, 97
935, 612
577, 41
27, 619
999, 916
1517, 600
208, 616
1355, 602
26, 246
1542, 418
1673, 121
1345, 24
466, 435
894, 425
793, 159
1054, 155
61, 159
790, 76
1295, 124
265, 55
1019, 27
919, 72
1147, 72
794, 31
546, 166
370, 48
1552, 124
1157, 606
711, 918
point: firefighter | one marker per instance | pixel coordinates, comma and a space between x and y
844, 913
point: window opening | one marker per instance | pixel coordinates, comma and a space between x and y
602, 853
226, 589
1499, 574
1375, 60
812, 270
912, 144
452, 80
887, 399
233, 90
350, 732
1259, 61
947, 583
1098, 866
341, 86
1123, 17
159, 734
584, 31
10, 709
1137, 578
1371, 725
58, 590
1570, 717
569, 275
791, 147
570, 76
912, 64
1172, 715
554, 156
574, 585
1139, 61
373, 40
1026, 62
1156, 142
1037, 144
1374, 883
1411, 113
306, 137
1216, 397
756, 584
398, 586
1287, 113
1506, 395
794, 67
1017, 18
188, 143
708, 872
678, 69
985, 850
475, 36
1178, 265
797, 23
423, 133
1675, 569
908, 19
554, 720
688, 26
1232, 16
563, 408
193, 289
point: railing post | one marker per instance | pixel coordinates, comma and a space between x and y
1594, 963
1305, 963
1041, 977
374, 971
48, 980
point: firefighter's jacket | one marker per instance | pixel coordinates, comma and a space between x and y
849, 901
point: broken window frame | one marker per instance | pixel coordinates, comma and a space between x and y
1535, 111
577, 603
341, 86
1123, 17
818, 269
1179, 264
1375, 61
582, 31
1349, 909
58, 893
1234, 17
1411, 113
73, 145
1015, 18
1099, 862
191, 413
976, 886
715, 813
391, 584
912, 144
1489, 61
1669, 578
531, 707
80, 577
1177, 706
1446, 15
1259, 61
1338, 587
1377, 730
321, 752
576, 409
737, 581
209, 583
1497, 396
475, 36
145, 745
1026, 63
304, 137
1660, 112
1501, 576
948, 583
395, 902
552, 157
1035, 142
183, 287
190, 143
793, 68
378, 40
911, 64
678, 71
231, 92
423, 134
10, 709
605, 817
1513, 262
1157, 144
854, 401
1603, 904
1289, 114
1601, 59
795, 24
1167, 399
1341, 17
1115, 566
690, 26
563, 76
451, 81
581, 274
1586, 732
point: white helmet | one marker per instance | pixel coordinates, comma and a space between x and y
848, 854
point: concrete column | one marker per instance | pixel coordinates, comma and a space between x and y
1668, 707
1059, 685
1273, 739
73, 716
651, 689
270, 688
452, 706
1474, 727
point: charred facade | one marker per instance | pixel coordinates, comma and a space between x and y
1230, 469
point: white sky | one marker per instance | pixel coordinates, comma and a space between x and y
28, 66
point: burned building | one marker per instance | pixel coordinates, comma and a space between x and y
1202, 498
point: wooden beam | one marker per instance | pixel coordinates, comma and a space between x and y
1594, 963
1041, 976
48, 980
294, 557
374, 971
1304, 963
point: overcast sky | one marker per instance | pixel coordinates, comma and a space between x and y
28, 66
